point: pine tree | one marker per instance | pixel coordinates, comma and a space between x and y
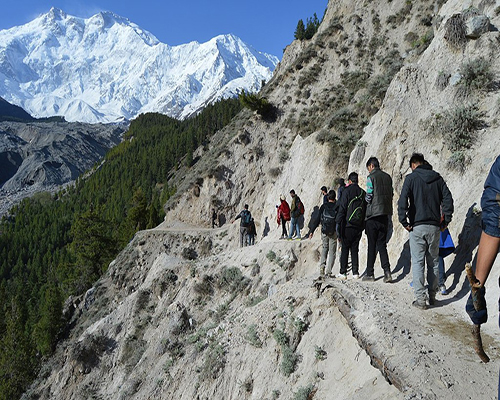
300, 31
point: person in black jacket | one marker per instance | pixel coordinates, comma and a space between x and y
379, 195
246, 218
350, 224
327, 217
423, 196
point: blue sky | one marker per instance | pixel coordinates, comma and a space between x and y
267, 25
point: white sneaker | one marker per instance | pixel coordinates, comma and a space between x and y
341, 277
355, 276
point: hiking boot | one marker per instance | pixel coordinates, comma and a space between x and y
341, 277
387, 277
442, 289
355, 276
368, 278
419, 304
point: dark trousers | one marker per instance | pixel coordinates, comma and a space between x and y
243, 236
283, 226
376, 233
350, 243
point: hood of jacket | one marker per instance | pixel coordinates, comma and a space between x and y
426, 173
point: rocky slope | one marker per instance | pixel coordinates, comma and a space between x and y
40, 156
183, 313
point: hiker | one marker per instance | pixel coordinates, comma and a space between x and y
423, 194
350, 224
283, 211
296, 210
324, 192
251, 232
214, 218
379, 194
245, 217
446, 247
341, 188
327, 217
489, 244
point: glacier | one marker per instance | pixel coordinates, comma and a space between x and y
107, 69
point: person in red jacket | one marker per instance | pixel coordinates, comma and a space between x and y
283, 216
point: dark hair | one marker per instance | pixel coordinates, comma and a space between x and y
353, 177
332, 195
323, 189
292, 191
417, 158
341, 182
373, 161
246, 206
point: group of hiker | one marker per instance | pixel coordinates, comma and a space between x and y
425, 209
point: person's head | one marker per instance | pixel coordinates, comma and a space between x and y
353, 177
324, 190
416, 159
246, 206
292, 193
282, 197
332, 195
341, 182
372, 163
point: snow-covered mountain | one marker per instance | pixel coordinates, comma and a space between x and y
106, 68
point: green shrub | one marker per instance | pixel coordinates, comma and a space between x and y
319, 353
281, 337
256, 103
459, 127
305, 393
289, 360
252, 337
477, 75
214, 362
232, 280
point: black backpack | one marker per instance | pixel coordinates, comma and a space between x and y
246, 217
356, 210
328, 217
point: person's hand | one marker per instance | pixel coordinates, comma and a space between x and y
476, 306
310, 235
409, 228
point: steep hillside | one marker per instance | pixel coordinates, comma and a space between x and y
40, 156
183, 313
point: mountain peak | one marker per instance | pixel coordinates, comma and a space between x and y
113, 69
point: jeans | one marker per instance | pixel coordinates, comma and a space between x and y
424, 247
350, 242
329, 247
294, 227
376, 233
442, 276
250, 239
243, 236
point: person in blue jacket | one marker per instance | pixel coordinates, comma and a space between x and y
489, 243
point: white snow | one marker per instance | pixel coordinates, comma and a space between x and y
106, 68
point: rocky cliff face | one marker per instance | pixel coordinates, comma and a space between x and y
39, 156
183, 313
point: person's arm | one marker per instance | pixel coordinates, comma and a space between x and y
403, 205
238, 216
369, 190
447, 205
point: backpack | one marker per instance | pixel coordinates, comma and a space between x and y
328, 217
301, 208
246, 218
356, 210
